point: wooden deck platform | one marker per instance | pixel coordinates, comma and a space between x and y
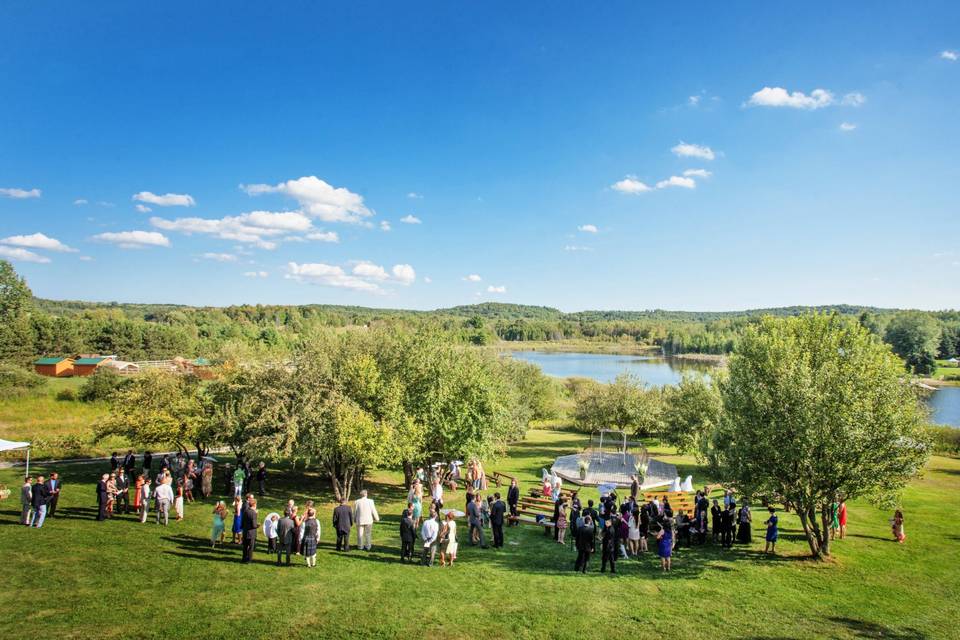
613, 468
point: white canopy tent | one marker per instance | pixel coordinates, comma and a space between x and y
9, 445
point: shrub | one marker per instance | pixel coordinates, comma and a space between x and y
101, 386
66, 395
946, 440
16, 380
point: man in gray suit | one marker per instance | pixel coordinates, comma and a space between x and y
285, 532
476, 522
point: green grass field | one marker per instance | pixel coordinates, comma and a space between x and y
78, 578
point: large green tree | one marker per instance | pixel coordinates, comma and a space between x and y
16, 339
692, 411
627, 403
815, 409
915, 337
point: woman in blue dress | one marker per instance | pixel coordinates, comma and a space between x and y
237, 529
771, 532
665, 543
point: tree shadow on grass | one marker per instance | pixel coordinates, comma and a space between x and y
865, 629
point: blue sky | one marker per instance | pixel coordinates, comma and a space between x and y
804, 155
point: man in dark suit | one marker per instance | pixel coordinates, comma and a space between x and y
102, 497
54, 485
286, 529
584, 542
610, 544
497, 515
408, 533
39, 499
556, 519
342, 523
123, 492
130, 463
147, 463
248, 523
513, 499
114, 461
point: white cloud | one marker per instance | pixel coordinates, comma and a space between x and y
324, 236
80, 201
86, 258
427, 279
817, 99
318, 199
37, 241
22, 255
686, 150
250, 228
142, 208
256, 274
410, 219
575, 247
493, 289
220, 257
588, 228
414, 196
694, 101
677, 181
853, 99
947, 54
473, 278
404, 273
166, 200
134, 239
630, 184
385, 225
19, 194
369, 270
697, 173
847, 126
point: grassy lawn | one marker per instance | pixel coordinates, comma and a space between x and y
947, 373
77, 578
40, 416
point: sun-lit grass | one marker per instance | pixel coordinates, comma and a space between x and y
77, 578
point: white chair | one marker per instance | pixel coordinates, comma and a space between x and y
675, 485
688, 484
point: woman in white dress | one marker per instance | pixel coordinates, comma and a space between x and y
633, 533
448, 540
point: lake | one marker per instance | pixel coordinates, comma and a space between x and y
944, 403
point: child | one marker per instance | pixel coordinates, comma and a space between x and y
771, 523
178, 501
272, 532
896, 526
311, 535
144, 499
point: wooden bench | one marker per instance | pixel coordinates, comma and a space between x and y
500, 479
545, 523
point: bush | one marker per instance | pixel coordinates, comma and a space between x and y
946, 440
16, 380
66, 395
101, 386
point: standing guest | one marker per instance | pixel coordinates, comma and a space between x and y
841, 516
513, 499
129, 463
270, 529
415, 498
584, 540
297, 518
744, 534
188, 482
178, 501
262, 479
144, 499
206, 480
286, 529
111, 494
428, 533
164, 496
137, 493
683, 528
497, 515
594, 518
114, 461
633, 532
147, 463
665, 544
219, 517
644, 527
896, 526
54, 485
727, 498
475, 520
365, 514
469, 498
485, 506
238, 478
715, 518
574, 515
609, 543
556, 519
249, 524
237, 528
448, 540
727, 526
123, 492
562, 523
436, 493
772, 532
834, 520
547, 488
408, 533
26, 500
311, 535
342, 523
634, 487
39, 500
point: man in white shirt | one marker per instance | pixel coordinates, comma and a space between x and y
429, 532
164, 496
365, 514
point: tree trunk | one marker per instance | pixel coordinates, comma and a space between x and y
808, 530
826, 517
408, 473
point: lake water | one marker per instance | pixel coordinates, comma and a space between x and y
944, 403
